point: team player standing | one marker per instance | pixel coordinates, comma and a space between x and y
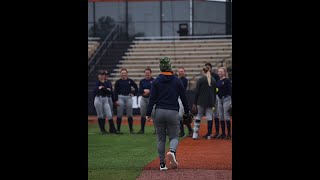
217, 106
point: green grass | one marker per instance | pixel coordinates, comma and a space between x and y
120, 157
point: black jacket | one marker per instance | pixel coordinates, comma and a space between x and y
205, 95
165, 90
123, 87
215, 76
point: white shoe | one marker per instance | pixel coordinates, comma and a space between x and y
195, 136
172, 159
163, 167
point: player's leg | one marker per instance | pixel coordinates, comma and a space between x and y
129, 113
173, 132
143, 109
110, 104
209, 114
181, 112
221, 116
120, 111
216, 118
99, 109
112, 128
196, 125
159, 122
108, 112
152, 117
226, 107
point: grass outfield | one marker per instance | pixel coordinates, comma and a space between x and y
120, 157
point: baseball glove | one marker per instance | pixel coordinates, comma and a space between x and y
187, 118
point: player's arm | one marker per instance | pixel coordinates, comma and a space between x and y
152, 99
96, 88
134, 85
140, 88
185, 83
197, 91
112, 94
116, 91
183, 97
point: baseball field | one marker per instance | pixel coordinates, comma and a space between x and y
134, 156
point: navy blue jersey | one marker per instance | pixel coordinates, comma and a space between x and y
184, 82
123, 87
224, 88
145, 84
103, 91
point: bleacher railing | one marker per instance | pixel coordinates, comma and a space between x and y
93, 39
184, 37
95, 59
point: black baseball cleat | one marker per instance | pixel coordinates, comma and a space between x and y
115, 132
221, 136
140, 132
228, 136
118, 132
215, 136
207, 136
190, 134
104, 132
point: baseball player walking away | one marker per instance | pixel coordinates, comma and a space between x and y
165, 91
125, 89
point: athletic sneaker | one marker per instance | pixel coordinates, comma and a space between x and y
172, 158
163, 167
195, 136
207, 136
